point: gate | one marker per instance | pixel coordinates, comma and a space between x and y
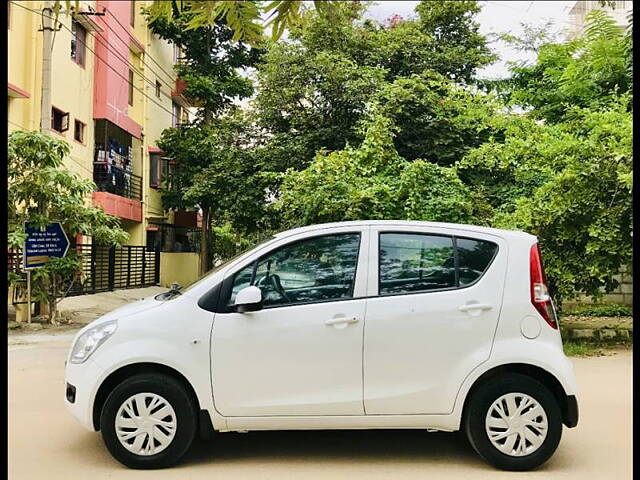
107, 268
113, 268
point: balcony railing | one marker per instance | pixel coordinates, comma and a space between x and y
116, 180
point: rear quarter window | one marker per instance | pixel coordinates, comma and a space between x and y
474, 257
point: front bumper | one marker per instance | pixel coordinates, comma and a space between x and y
570, 415
85, 379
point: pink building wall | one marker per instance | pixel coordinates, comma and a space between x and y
111, 87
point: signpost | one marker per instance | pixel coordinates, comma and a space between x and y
41, 246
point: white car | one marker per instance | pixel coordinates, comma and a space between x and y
369, 324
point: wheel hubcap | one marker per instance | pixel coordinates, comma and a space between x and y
145, 424
516, 424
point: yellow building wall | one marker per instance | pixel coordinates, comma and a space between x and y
72, 91
157, 110
180, 268
24, 65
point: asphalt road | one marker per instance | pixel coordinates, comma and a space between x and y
47, 442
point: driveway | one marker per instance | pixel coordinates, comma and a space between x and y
46, 442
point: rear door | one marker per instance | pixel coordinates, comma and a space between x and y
434, 301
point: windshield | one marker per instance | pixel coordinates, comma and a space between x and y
215, 269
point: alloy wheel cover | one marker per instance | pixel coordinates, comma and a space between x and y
516, 424
146, 424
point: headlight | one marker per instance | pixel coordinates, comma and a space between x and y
89, 341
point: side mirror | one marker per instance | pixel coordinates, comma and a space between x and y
249, 299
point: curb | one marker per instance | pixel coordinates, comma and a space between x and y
598, 334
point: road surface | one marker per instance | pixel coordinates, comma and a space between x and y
46, 442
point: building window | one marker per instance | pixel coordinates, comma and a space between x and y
78, 131
175, 120
176, 54
78, 40
133, 13
59, 120
154, 170
158, 86
131, 87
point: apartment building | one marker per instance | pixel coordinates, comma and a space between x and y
619, 11
113, 92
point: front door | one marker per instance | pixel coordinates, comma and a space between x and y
302, 353
435, 299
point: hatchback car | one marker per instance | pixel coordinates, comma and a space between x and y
369, 324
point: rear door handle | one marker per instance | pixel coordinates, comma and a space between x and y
470, 307
341, 320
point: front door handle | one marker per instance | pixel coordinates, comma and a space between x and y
341, 320
470, 307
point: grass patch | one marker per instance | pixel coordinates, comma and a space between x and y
575, 348
600, 310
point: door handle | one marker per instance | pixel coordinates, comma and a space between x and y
470, 307
341, 320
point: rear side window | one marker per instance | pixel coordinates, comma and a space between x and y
412, 262
415, 263
474, 256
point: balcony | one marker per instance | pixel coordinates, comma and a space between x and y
119, 191
179, 97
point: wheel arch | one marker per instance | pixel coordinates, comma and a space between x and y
537, 373
126, 371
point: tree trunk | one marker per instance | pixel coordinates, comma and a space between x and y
204, 242
53, 304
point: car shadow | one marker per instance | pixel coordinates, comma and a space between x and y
364, 446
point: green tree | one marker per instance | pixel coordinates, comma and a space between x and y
316, 86
585, 72
372, 182
41, 191
244, 17
217, 171
570, 184
211, 64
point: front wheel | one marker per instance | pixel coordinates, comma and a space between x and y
148, 421
513, 422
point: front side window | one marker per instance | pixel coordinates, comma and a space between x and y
314, 270
415, 263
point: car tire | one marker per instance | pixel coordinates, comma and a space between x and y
535, 434
148, 421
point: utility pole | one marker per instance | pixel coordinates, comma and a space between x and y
47, 34
45, 105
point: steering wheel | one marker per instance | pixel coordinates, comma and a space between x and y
274, 280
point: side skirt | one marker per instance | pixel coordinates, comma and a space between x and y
446, 423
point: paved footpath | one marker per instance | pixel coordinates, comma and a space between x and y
45, 442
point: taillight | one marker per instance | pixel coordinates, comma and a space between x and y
540, 297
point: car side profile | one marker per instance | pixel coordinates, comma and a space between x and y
351, 325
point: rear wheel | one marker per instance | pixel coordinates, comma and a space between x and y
513, 422
148, 421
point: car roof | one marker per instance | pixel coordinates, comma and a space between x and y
404, 223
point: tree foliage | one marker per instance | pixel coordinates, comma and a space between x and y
562, 171
372, 182
585, 72
315, 87
244, 17
42, 191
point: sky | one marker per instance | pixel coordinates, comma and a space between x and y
495, 17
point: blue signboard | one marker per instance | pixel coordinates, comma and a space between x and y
43, 244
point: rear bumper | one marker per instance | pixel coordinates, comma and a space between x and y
570, 415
